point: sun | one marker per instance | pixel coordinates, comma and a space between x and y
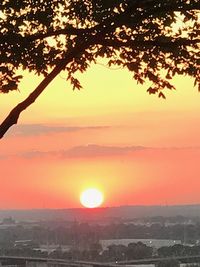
91, 198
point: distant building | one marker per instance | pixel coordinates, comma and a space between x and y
25, 244
51, 248
154, 243
8, 221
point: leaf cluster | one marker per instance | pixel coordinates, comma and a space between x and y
145, 36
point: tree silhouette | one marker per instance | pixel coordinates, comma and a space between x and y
46, 37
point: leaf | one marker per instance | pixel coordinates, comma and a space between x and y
152, 90
161, 95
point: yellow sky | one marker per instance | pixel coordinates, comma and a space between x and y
105, 92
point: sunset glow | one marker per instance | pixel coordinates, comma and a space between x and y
128, 144
91, 198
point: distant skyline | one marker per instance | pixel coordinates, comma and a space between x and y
112, 135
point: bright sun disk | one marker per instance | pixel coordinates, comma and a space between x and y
91, 198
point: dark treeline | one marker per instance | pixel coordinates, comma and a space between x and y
81, 241
78, 233
113, 253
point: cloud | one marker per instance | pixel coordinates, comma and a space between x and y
90, 150
41, 129
93, 150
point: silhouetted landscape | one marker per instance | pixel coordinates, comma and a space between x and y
104, 214
102, 235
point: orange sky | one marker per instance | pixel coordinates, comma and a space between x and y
112, 135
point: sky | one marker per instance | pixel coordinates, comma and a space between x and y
112, 135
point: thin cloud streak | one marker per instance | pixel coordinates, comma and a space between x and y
87, 151
27, 130
92, 151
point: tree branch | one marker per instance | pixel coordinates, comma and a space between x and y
131, 43
70, 30
110, 22
13, 116
100, 32
4, 38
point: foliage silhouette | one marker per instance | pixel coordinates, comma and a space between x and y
46, 37
168, 263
